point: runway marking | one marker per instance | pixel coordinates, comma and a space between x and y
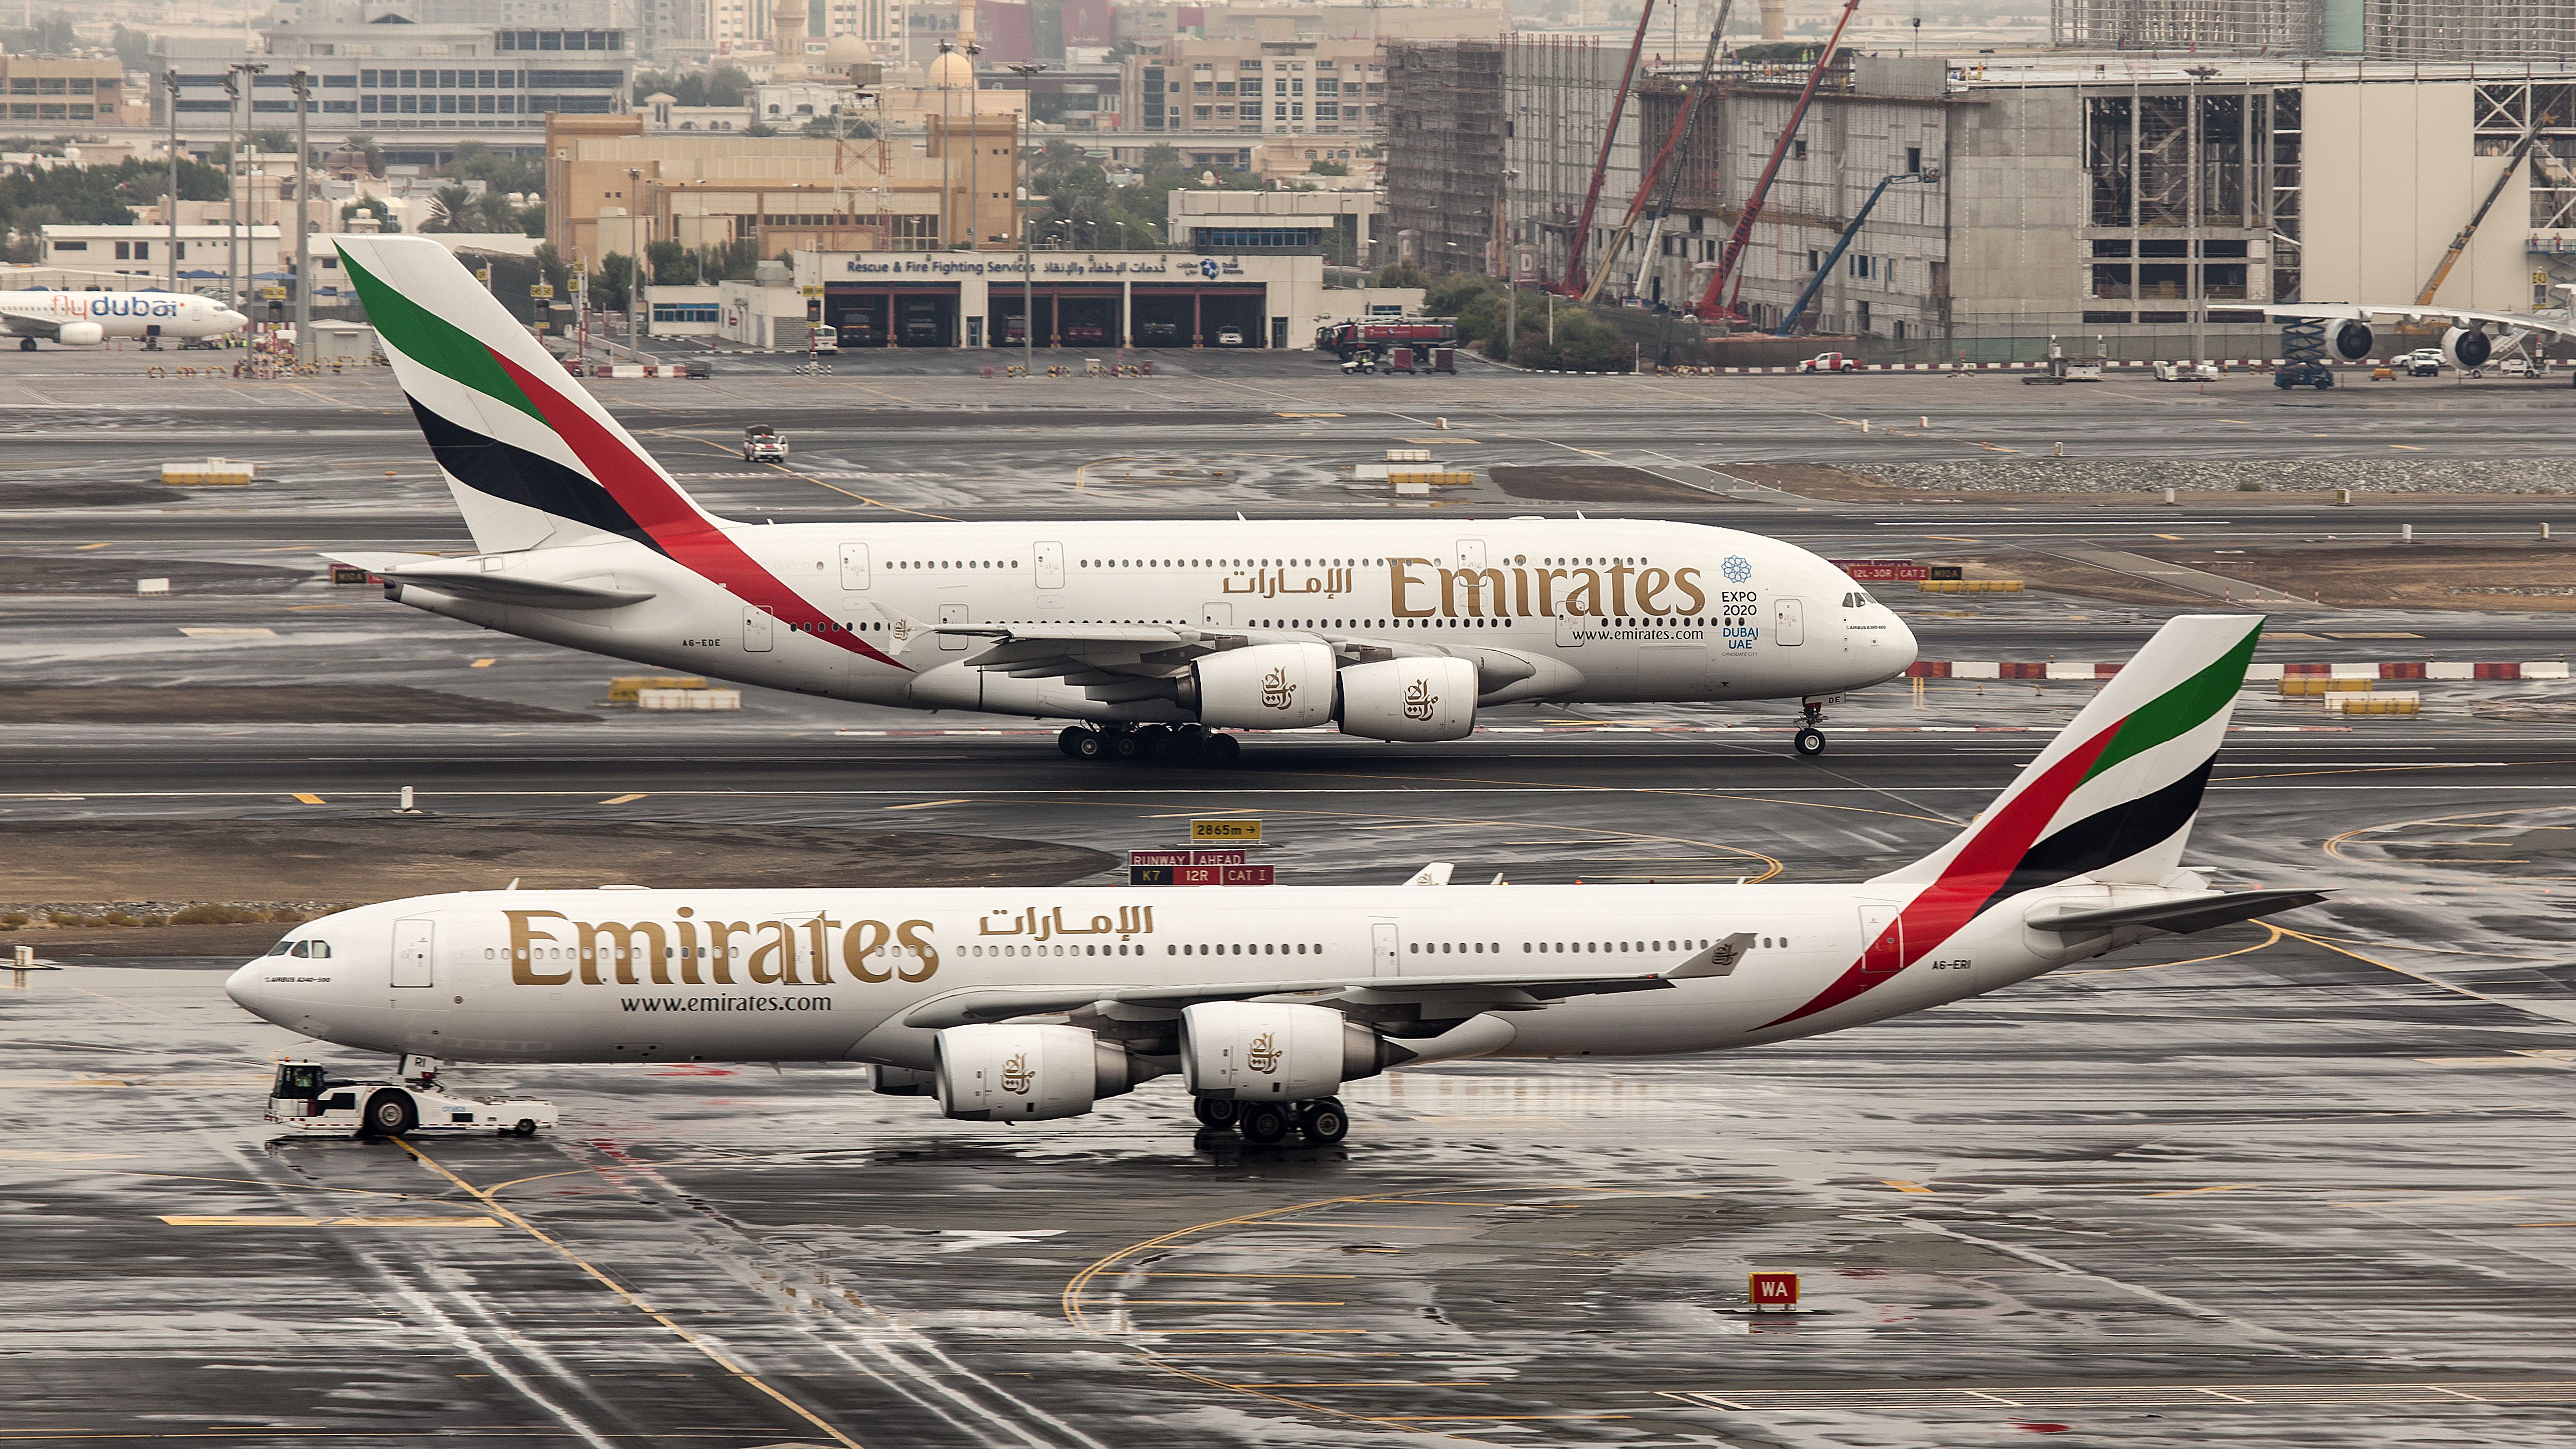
2269, 940
2401, 447
622, 799
482, 664
713, 1354
84, 548
309, 799
1901, 1185
928, 804
2193, 1191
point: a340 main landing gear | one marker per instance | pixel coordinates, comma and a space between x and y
1811, 739
1189, 743
1322, 1122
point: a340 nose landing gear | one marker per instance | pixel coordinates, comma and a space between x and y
1181, 744
1322, 1122
1811, 739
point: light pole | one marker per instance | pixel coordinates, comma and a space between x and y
303, 87
634, 259
947, 146
1020, 218
1511, 279
975, 157
170, 79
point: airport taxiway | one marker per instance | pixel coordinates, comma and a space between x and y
2304, 1185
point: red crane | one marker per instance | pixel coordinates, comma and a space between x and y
1600, 167
1710, 306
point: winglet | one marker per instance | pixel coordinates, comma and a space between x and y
1434, 874
1718, 960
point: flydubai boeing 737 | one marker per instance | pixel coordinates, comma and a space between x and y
86, 319
1156, 635
1022, 1005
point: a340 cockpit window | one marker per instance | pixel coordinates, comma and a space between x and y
312, 950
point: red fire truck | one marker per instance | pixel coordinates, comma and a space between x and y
1350, 339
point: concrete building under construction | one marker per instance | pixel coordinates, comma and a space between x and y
2409, 30
2118, 196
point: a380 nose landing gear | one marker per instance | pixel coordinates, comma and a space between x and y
1181, 744
1810, 739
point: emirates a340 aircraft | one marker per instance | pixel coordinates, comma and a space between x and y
1158, 635
1021, 1005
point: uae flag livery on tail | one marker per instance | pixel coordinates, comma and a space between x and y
532, 458
2111, 799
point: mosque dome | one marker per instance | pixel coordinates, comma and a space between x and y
952, 71
845, 51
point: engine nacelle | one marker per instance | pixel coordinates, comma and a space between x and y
1410, 699
2467, 347
80, 334
1249, 1050
1265, 687
1027, 1073
902, 1082
2349, 339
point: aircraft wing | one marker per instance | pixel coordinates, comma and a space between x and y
1460, 995
470, 578
44, 327
2463, 316
1108, 660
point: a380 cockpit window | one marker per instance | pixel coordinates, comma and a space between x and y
313, 950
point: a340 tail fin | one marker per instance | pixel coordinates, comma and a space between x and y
531, 457
2112, 798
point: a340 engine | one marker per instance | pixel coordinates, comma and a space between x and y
1301, 686
1234, 1051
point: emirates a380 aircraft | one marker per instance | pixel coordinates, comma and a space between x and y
1157, 635
1021, 1005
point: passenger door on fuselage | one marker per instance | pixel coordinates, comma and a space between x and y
954, 614
415, 952
1386, 949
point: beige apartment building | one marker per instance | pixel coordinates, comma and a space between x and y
69, 89
1195, 88
612, 186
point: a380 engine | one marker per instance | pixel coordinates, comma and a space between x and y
1248, 1051
2349, 339
80, 334
1025, 1073
2467, 347
1300, 686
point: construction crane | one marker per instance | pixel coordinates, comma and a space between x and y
1789, 325
1672, 142
1715, 302
1573, 282
2442, 269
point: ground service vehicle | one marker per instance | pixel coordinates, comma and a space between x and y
2187, 372
1011, 1004
2303, 374
820, 338
1229, 338
1829, 362
762, 443
305, 1098
2422, 362
1419, 333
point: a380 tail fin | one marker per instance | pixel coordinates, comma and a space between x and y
531, 457
2113, 797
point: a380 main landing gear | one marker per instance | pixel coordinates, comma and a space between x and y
1181, 744
1811, 740
1322, 1122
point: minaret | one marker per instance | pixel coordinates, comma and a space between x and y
787, 25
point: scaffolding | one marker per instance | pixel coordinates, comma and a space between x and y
2507, 30
2401, 30
1444, 152
2249, 27
1559, 91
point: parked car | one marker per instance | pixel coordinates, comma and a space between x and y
1829, 362
1229, 337
2515, 367
2422, 362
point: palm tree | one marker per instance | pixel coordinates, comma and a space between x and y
447, 207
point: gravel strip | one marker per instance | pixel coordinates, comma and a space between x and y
2307, 475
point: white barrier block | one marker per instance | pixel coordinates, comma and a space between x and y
2545, 669
1976, 671
2069, 671
2262, 673
151, 588
2352, 671
2450, 670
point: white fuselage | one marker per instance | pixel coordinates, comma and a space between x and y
1598, 610
67, 316
832, 975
